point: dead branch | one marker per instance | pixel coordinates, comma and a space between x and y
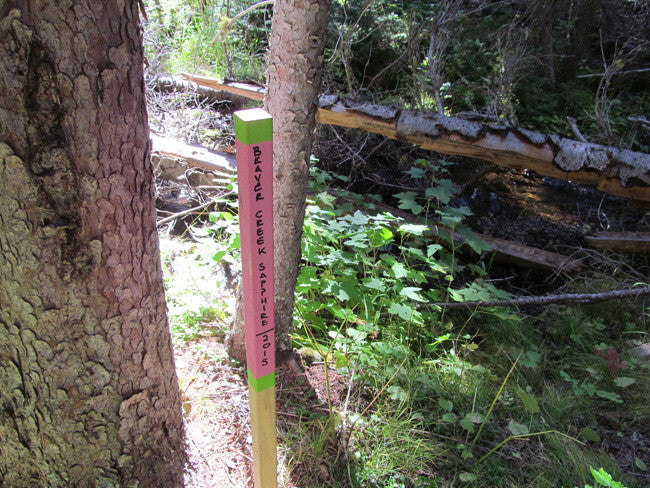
638, 242
196, 156
185, 212
574, 128
618, 73
640, 120
549, 299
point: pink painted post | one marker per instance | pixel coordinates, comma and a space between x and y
254, 145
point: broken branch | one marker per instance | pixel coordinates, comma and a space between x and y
546, 300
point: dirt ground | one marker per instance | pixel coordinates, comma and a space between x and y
217, 417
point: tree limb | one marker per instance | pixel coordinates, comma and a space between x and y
185, 212
574, 127
546, 300
627, 72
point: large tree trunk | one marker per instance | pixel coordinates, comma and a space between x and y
88, 390
294, 74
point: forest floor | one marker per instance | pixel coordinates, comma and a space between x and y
541, 212
217, 421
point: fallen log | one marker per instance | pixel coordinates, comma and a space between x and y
242, 89
549, 299
621, 241
503, 251
170, 84
195, 155
611, 170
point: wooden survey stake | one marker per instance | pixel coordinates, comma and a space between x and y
254, 145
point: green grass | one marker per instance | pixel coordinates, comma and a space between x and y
193, 37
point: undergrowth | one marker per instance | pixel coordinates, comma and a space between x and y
476, 397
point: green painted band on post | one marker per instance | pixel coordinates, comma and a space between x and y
261, 384
253, 126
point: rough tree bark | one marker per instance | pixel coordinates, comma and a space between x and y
294, 74
88, 390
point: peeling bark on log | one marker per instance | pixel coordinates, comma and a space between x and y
169, 84
242, 89
611, 170
621, 241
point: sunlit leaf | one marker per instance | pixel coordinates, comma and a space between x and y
517, 428
445, 404
624, 381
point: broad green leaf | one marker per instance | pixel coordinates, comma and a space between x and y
530, 359
375, 284
356, 334
604, 478
640, 464
416, 173
397, 393
379, 237
414, 229
467, 454
624, 381
517, 428
407, 202
219, 255
399, 271
358, 218
433, 248
403, 311
589, 434
474, 417
528, 400
338, 291
326, 198
609, 396
415, 251
590, 389
449, 417
412, 292
475, 242
467, 477
443, 191
466, 424
445, 404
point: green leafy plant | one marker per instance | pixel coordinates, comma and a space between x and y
603, 478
